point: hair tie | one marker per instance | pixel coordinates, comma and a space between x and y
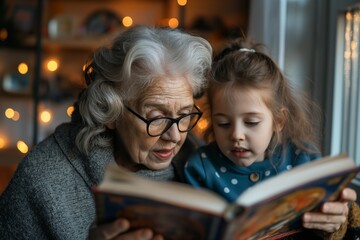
246, 50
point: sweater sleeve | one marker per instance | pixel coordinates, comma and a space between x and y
349, 229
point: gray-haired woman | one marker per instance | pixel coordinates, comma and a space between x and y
136, 110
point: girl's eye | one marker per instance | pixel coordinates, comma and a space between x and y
252, 123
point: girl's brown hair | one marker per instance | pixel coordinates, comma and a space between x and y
246, 65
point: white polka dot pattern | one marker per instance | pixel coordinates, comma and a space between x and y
223, 169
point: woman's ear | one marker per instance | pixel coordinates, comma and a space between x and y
282, 119
110, 125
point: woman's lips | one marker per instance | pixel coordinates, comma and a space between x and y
164, 153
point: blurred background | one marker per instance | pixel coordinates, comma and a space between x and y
45, 43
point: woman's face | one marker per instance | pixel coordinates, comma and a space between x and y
171, 97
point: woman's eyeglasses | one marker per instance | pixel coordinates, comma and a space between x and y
157, 126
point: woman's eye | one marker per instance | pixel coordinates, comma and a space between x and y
154, 115
223, 124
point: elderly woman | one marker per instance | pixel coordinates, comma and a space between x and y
136, 111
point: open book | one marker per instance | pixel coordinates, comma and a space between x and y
270, 209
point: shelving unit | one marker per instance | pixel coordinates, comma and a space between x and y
70, 46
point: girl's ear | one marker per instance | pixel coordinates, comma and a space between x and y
281, 121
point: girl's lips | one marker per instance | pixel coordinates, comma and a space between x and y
164, 153
240, 152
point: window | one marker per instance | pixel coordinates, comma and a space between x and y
346, 102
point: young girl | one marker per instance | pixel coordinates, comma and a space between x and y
260, 127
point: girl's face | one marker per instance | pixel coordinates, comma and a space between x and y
242, 123
167, 98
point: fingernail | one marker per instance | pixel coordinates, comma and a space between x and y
146, 233
123, 224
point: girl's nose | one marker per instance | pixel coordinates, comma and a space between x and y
238, 134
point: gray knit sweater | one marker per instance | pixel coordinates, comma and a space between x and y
50, 194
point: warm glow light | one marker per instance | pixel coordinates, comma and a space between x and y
70, 110
127, 21
2, 142
173, 23
202, 124
52, 65
16, 116
3, 34
182, 2
9, 113
23, 68
22, 147
45, 116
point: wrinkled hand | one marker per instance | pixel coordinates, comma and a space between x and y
332, 214
118, 230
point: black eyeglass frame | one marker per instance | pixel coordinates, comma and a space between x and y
173, 120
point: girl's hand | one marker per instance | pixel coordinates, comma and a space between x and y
332, 214
118, 230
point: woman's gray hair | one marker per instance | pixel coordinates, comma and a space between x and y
119, 74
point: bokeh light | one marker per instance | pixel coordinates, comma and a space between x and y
127, 21
182, 2
52, 65
173, 22
45, 116
23, 68
22, 146
9, 113
70, 110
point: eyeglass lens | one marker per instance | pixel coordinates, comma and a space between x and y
159, 126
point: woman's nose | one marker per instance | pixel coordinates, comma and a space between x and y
172, 134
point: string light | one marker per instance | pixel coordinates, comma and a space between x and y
173, 22
70, 110
52, 65
182, 2
45, 116
9, 113
22, 146
127, 21
3, 34
23, 68
16, 116
202, 124
2, 142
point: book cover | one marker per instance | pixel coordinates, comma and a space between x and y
270, 210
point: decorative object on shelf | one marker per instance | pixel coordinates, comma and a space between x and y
101, 22
16, 83
61, 27
19, 23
